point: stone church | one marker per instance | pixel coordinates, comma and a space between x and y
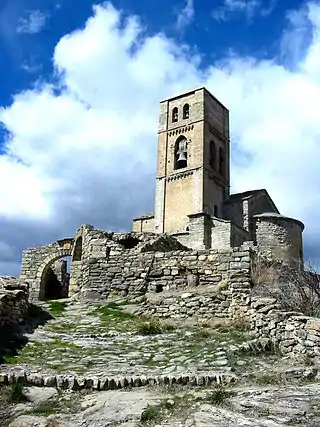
193, 201
198, 227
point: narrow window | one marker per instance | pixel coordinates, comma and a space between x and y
186, 111
215, 211
175, 114
180, 153
221, 162
213, 155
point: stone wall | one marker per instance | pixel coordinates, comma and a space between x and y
13, 302
176, 283
208, 232
37, 261
144, 223
280, 236
294, 333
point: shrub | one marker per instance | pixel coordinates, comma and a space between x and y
149, 414
267, 379
295, 289
15, 392
149, 328
219, 395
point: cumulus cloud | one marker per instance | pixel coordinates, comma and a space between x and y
250, 8
33, 23
84, 150
186, 15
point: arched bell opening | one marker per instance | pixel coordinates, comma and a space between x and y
181, 153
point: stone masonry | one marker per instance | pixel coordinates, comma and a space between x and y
14, 304
193, 201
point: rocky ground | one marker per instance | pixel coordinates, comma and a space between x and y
95, 341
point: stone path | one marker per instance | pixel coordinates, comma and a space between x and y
84, 339
90, 341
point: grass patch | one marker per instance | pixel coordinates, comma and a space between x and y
150, 414
149, 328
89, 363
37, 352
9, 360
266, 379
112, 311
15, 392
155, 413
153, 327
203, 333
46, 408
57, 307
219, 396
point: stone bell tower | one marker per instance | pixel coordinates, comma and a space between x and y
193, 159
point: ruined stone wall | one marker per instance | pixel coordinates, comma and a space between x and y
216, 280
293, 332
14, 304
176, 283
36, 262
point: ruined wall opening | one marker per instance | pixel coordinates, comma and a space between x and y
77, 253
129, 242
159, 288
55, 279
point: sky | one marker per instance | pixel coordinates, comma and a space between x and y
79, 93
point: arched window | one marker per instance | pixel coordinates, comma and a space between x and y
186, 111
213, 155
175, 114
77, 253
181, 153
221, 162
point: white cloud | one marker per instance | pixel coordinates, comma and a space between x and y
85, 151
33, 23
186, 15
249, 8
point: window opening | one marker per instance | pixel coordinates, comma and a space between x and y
213, 155
221, 162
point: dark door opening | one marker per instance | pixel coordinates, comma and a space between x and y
56, 278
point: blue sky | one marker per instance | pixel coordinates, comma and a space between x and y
80, 86
30, 30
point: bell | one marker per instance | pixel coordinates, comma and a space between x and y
182, 156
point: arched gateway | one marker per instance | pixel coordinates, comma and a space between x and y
38, 269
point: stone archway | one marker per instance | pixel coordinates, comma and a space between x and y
37, 263
50, 285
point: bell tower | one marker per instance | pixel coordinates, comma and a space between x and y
193, 160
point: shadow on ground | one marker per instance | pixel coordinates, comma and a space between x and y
12, 340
